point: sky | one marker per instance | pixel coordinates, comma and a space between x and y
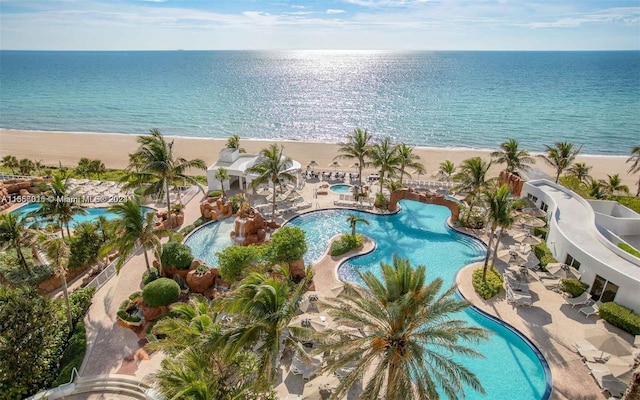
315, 24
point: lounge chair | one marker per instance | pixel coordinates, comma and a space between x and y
580, 300
551, 283
590, 310
594, 356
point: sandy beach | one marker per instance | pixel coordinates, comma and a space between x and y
52, 147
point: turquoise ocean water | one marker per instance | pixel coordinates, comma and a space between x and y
441, 99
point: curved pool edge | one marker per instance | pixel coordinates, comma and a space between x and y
196, 229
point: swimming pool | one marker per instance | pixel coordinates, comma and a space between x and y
93, 213
340, 188
209, 239
511, 369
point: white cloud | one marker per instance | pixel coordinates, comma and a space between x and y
624, 15
334, 11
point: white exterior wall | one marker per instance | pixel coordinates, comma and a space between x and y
561, 244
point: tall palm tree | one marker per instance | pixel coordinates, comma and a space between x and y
498, 214
471, 177
84, 166
26, 166
63, 203
514, 158
409, 336
222, 174
10, 162
356, 147
634, 159
407, 158
265, 306
57, 252
447, 168
596, 190
384, 156
271, 167
134, 229
560, 157
613, 185
159, 167
353, 220
14, 232
580, 171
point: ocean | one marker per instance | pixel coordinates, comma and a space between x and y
438, 99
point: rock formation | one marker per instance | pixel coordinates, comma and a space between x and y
250, 227
215, 209
408, 194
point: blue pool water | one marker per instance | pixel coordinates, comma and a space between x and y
93, 213
209, 239
340, 188
511, 369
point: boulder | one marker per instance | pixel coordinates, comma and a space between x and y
200, 283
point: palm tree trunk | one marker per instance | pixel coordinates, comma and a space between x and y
146, 259
486, 257
558, 175
638, 192
273, 203
23, 260
222, 188
360, 166
495, 251
633, 390
65, 292
353, 230
401, 175
392, 381
67, 226
381, 180
62, 230
166, 189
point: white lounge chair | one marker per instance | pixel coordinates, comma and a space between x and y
580, 300
590, 310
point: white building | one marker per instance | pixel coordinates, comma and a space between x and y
585, 234
237, 164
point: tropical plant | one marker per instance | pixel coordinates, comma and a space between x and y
560, 157
514, 158
633, 389
222, 174
613, 185
499, 207
287, 244
384, 156
272, 167
57, 253
26, 166
408, 336
158, 166
634, 159
161, 292
62, 204
176, 255
392, 185
234, 143
356, 147
471, 178
580, 171
10, 162
233, 261
407, 158
353, 220
15, 233
134, 229
596, 190
447, 168
265, 305
83, 167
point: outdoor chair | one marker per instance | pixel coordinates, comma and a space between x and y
592, 309
580, 300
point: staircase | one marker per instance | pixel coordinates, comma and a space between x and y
125, 385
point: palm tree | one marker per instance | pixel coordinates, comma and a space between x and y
384, 156
57, 252
447, 168
64, 206
134, 229
409, 336
580, 171
39, 166
222, 174
271, 167
407, 158
10, 162
265, 305
84, 166
634, 158
596, 190
356, 147
158, 166
353, 220
26, 166
514, 158
14, 232
613, 185
560, 157
633, 390
498, 214
471, 178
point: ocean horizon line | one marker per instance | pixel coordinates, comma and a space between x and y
339, 50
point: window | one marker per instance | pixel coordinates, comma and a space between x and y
532, 197
603, 290
544, 206
572, 262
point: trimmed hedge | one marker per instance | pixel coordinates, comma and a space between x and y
346, 243
147, 277
176, 255
73, 355
80, 300
629, 249
215, 193
544, 254
491, 287
161, 292
621, 317
573, 287
540, 231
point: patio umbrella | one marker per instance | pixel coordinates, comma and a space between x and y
313, 163
337, 289
512, 257
620, 368
335, 165
534, 212
608, 342
320, 387
563, 271
530, 221
532, 261
527, 238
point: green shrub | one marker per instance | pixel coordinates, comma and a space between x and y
176, 255
491, 287
544, 254
621, 317
345, 243
73, 355
629, 249
135, 295
161, 292
215, 193
287, 244
125, 316
234, 260
573, 287
148, 277
187, 229
80, 300
541, 231
11, 269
